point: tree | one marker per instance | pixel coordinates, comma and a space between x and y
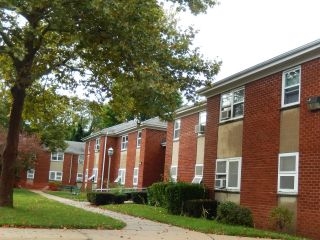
112, 48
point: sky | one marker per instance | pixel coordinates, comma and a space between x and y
243, 33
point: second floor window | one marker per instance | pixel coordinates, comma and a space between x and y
97, 145
81, 159
124, 142
57, 156
232, 105
176, 129
139, 139
291, 87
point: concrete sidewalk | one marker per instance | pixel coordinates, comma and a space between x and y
136, 229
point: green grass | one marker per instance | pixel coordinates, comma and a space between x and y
34, 211
82, 196
196, 224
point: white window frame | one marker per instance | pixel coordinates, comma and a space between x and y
79, 177
89, 145
230, 107
30, 174
135, 176
57, 176
174, 173
139, 137
227, 173
97, 145
176, 129
95, 174
124, 142
57, 156
294, 173
86, 176
198, 177
121, 179
81, 159
284, 88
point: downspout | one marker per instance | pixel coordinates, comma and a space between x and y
70, 172
103, 161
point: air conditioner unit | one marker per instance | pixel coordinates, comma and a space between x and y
313, 103
225, 114
199, 128
220, 183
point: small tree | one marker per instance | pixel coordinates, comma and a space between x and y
281, 218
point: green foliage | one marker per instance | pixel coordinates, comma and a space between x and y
232, 213
157, 194
281, 218
177, 194
206, 208
139, 197
102, 198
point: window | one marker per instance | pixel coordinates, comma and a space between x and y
55, 176
89, 145
176, 130
174, 173
232, 105
135, 176
291, 87
200, 128
86, 175
288, 173
81, 159
139, 139
30, 174
97, 145
198, 173
57, 156
94, 176
79, 177
228, 173
121, 179
124, 142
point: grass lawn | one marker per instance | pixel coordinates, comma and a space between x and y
196, 224
82, 196
34, 211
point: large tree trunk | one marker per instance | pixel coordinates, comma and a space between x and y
10, 152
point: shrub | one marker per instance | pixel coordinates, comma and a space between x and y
98, 198
157, 194
281, 217
177, 194
206, 208
232, 213
139, 197
119, 198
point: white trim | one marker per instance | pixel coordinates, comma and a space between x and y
227, 173
124, 142
139, 139
232, 104
79, 178
174, 177
55, 177
135, 176
55, 156
97, 145
294, 174
30, 174
197, 177
176, 129
284, 88
121, 179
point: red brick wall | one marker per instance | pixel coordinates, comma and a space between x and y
187, 148
131, 158
261, 141
70, 162
308, 215
168, 153
89, 161
152, 155
211, 135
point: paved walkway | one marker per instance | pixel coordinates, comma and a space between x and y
136, 229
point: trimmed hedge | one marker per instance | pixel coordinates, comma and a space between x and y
177, 194
139, 197
232, 213
100, 198
206, 208
157, 194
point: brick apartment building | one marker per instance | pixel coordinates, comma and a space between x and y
138, 155
262, 140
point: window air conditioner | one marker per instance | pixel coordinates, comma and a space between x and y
220, 183
313, 103
199, 128
225, 114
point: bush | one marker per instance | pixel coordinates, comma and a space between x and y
139, 197
206, 208
177, 194
98, 198
232, 213
157, 194
119, 198
281, 218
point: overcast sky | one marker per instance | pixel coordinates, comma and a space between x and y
243, 33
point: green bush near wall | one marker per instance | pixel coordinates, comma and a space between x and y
99, 198
157, 194
206, 208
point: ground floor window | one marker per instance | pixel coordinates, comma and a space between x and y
288, 173
94, 176
79, 177
135, 176
174, 173
30, 174
198, 173
121, 179
55, 176
228, 174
